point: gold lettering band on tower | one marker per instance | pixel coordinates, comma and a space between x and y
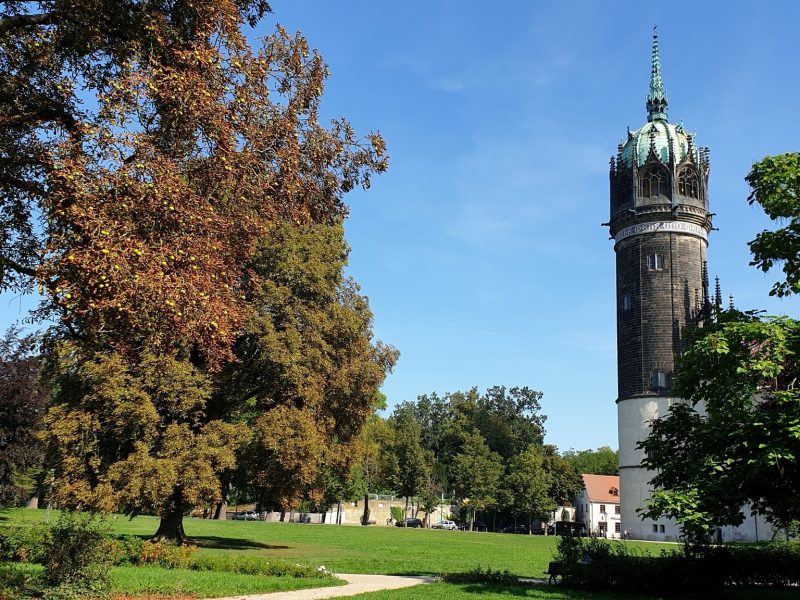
661, 226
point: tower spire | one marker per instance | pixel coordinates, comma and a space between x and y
657, 98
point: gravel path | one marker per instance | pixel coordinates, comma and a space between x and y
356, 584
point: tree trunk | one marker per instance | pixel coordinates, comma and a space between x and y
33, 502
171, 528
221, 513
365, 518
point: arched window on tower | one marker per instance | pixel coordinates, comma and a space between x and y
688, 183
653, 182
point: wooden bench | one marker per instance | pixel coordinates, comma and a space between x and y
554, 571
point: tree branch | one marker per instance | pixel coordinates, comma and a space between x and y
15, 266
16, 21
45, 114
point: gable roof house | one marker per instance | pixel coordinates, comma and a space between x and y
598, 505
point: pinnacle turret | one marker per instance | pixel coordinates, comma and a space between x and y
657, 98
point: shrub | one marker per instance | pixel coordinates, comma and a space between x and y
397, 513
22, 544
17, 581
478, 575
256, 565
77, 555
166, 554
699, 570
126, 549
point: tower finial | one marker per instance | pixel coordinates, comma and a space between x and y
657, 98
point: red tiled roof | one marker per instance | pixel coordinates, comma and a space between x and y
602, 488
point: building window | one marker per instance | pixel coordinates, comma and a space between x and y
661, 529
655, 528
655, 262
616, 509
658, 380
688, 184
626, 302
614, 491
617, 527
653, 182
602, 508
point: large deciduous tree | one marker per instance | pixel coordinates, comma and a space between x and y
308, 371
735, 443
527, 484
476, 479
775, 186
22, 406
145, 148
603, 461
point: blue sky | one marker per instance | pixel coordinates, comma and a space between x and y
481, 248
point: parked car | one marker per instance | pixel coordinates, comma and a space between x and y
445, 524
514, 529
476, 526
416, 523
246, 515
567, 528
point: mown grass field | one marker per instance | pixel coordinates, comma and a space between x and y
352, 549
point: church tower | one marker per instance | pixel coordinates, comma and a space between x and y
659, 223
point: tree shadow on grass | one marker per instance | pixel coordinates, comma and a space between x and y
522, 590
223, 543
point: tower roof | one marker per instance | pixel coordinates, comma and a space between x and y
657, 98
662, 138
667, 141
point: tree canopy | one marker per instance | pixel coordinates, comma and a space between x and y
602, 461
22, 406
775, 186
146, 151
733, 445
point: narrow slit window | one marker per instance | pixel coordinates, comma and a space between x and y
655, 262
658, 380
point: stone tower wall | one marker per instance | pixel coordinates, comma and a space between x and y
654, 305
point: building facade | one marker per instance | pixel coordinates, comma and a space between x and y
597, 505
660, 222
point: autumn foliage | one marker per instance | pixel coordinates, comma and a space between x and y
145, 150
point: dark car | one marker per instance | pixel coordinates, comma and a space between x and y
416, 523
476, 526
514, 529
567, 528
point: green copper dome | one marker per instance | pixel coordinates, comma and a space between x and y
657, 133
661, 136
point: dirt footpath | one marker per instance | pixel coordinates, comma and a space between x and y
356, 584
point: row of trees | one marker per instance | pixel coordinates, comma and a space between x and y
485, 451
169, 190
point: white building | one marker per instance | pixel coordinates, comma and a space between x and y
598, 505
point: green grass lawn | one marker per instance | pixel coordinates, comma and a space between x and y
353, 549
446, 591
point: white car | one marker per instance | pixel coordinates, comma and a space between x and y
248, 515
444, 524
